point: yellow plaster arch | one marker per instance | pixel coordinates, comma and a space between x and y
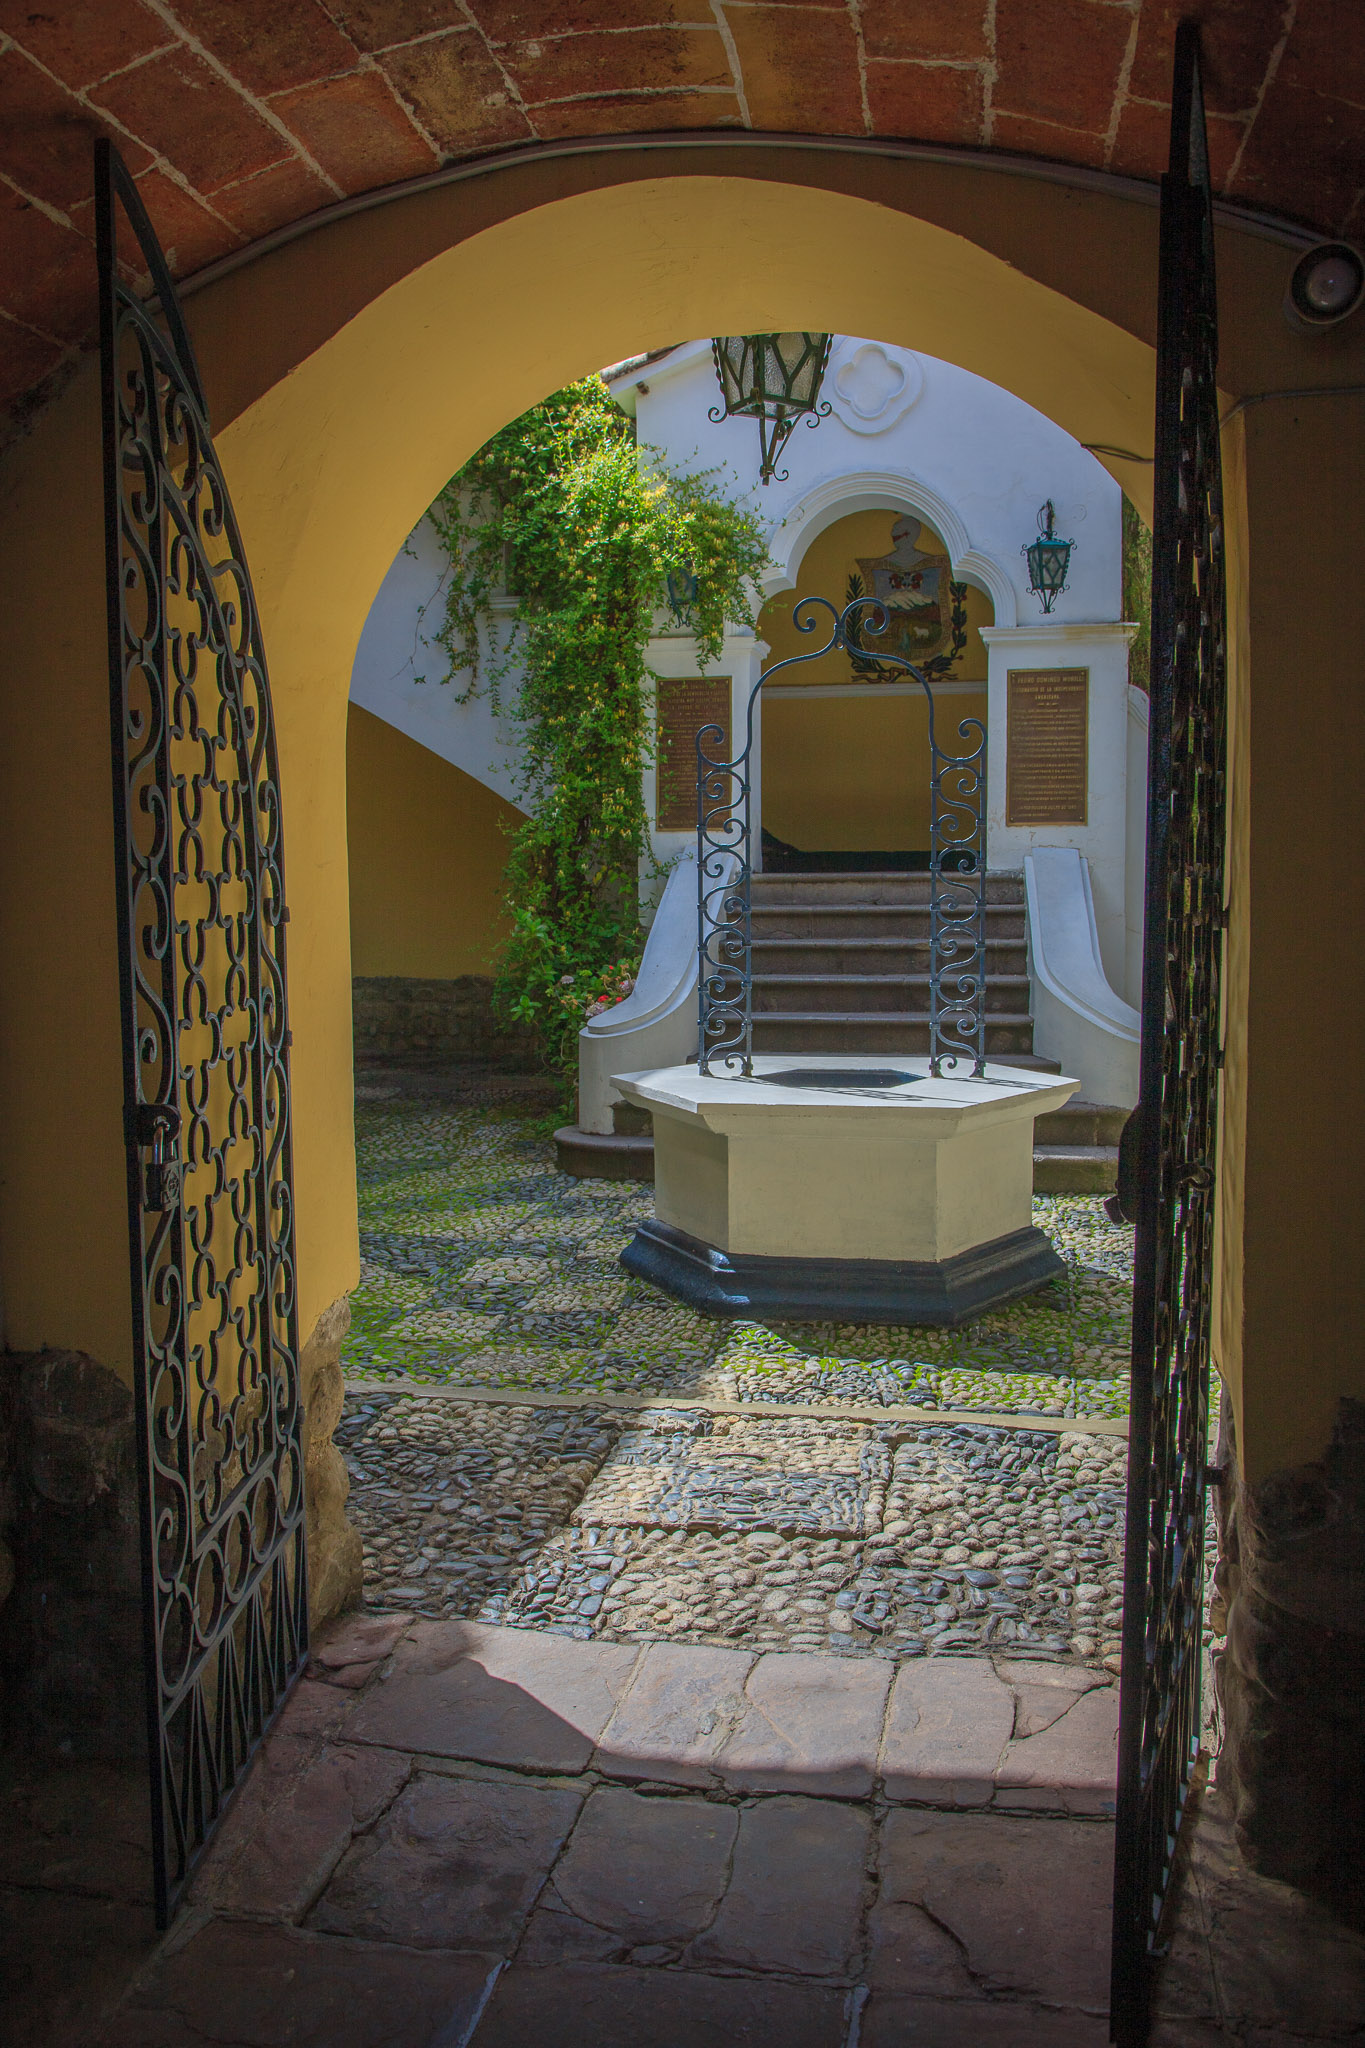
354, 369
331, 468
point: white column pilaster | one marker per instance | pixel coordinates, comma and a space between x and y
1102, 649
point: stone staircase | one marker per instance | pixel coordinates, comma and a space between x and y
841, 964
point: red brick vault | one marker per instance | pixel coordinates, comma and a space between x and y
238, 117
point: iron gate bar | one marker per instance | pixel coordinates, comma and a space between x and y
200, 890
957, 892
1169, 1168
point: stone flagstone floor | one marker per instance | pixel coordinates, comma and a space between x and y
465, 1836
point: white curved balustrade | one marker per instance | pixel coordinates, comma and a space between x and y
1078, 1018
656, 1025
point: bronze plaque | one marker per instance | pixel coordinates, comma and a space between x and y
1047, 751
684, 707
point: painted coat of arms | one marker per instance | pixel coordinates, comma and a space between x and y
926, 610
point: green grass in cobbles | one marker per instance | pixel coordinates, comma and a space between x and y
482, 1264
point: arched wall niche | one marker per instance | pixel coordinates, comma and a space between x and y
880, 491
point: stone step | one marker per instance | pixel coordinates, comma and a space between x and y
596, 1155
869, 888
863, 956
1079, 1122
874, 994
879, 1031
1075, 1169
894, 921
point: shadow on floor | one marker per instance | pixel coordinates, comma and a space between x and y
465, 1834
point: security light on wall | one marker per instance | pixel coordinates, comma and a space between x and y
1325, 287
773, 378
1048, 557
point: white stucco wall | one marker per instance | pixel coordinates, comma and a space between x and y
905, 431
396, 648
1102, 649
741, 659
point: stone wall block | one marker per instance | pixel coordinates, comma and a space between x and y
71, 1631
403, 1017
1292, 1677
71, 1681
79, 1422
335, 1564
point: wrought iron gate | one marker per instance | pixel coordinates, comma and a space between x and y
1169, 1181
957, 869
205, 1065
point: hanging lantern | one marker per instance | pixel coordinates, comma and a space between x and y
682, 592
1048, 559
773, 378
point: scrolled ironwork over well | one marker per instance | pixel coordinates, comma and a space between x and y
957, 869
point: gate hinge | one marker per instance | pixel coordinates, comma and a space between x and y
1215, 1475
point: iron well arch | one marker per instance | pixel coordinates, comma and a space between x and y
957, 868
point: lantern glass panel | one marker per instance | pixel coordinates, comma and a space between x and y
773, 378
1050, 564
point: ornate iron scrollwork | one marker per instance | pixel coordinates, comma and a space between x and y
957, 869
1169, 1178
200, 879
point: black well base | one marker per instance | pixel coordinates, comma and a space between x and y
947, 1291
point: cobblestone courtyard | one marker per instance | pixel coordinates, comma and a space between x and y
535, 1438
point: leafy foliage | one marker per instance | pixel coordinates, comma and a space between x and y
563, 511
1137, 592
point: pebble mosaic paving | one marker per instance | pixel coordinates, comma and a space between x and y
486, 1269
761, 1532
484, 1265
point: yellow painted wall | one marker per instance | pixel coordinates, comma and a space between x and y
427, 848
851, 774
383, 350
1297, 939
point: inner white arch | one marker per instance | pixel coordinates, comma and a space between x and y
881, 491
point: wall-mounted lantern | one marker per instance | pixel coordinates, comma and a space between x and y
682, 592
773, 378
1048, 558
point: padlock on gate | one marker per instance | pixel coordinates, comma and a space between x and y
158, 1124
163, 1174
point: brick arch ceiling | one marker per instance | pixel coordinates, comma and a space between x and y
240, 116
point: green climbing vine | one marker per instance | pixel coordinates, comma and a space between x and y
1137, 592
581, 528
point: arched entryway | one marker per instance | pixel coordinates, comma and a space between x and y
329, 465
